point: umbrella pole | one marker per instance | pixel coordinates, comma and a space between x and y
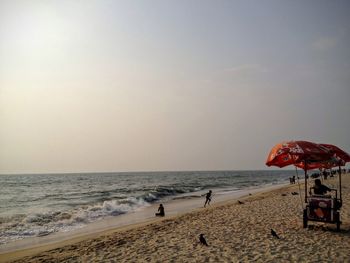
340, 182
301, 198
305, 169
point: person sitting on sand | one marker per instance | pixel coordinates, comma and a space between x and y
160, 210
207, 198
319, 188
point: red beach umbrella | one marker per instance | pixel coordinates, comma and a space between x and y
309, 155
338, 153
294, 152
339, 158
318, 165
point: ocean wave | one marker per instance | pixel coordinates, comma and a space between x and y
161, 192
81, 213
52, 204
187, 197
45, 223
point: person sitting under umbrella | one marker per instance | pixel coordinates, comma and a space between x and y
319, 188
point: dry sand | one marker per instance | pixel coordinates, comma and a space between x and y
235, 233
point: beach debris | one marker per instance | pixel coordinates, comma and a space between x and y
250, 194
284, 194
240, 202
274, 234
202, 240
294, 193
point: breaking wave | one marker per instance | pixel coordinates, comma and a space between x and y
38, 205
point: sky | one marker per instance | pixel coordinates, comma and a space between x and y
109, 86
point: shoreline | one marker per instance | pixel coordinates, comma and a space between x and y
235, 232
32, 212
174, 208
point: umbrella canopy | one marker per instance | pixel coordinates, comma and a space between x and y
319, 165
339, 158
342, 156
307, 155
295, 152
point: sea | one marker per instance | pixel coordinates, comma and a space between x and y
34, 205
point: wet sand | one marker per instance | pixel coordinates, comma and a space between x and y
235, 233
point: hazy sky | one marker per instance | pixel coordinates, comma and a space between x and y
169, 85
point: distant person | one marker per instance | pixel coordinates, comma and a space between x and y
292, 180
160, 211
207, 198
325, 174
319, 188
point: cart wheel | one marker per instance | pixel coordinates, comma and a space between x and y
338, 221
305, 219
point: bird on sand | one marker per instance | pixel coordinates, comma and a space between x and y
273, 233
240, 202
202, 240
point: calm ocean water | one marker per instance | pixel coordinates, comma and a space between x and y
41, 204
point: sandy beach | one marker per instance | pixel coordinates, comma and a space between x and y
111, 108
235, 232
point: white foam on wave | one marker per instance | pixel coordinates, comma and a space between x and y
69, 207
41, 224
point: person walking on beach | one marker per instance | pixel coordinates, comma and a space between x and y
207, 198
160, 210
